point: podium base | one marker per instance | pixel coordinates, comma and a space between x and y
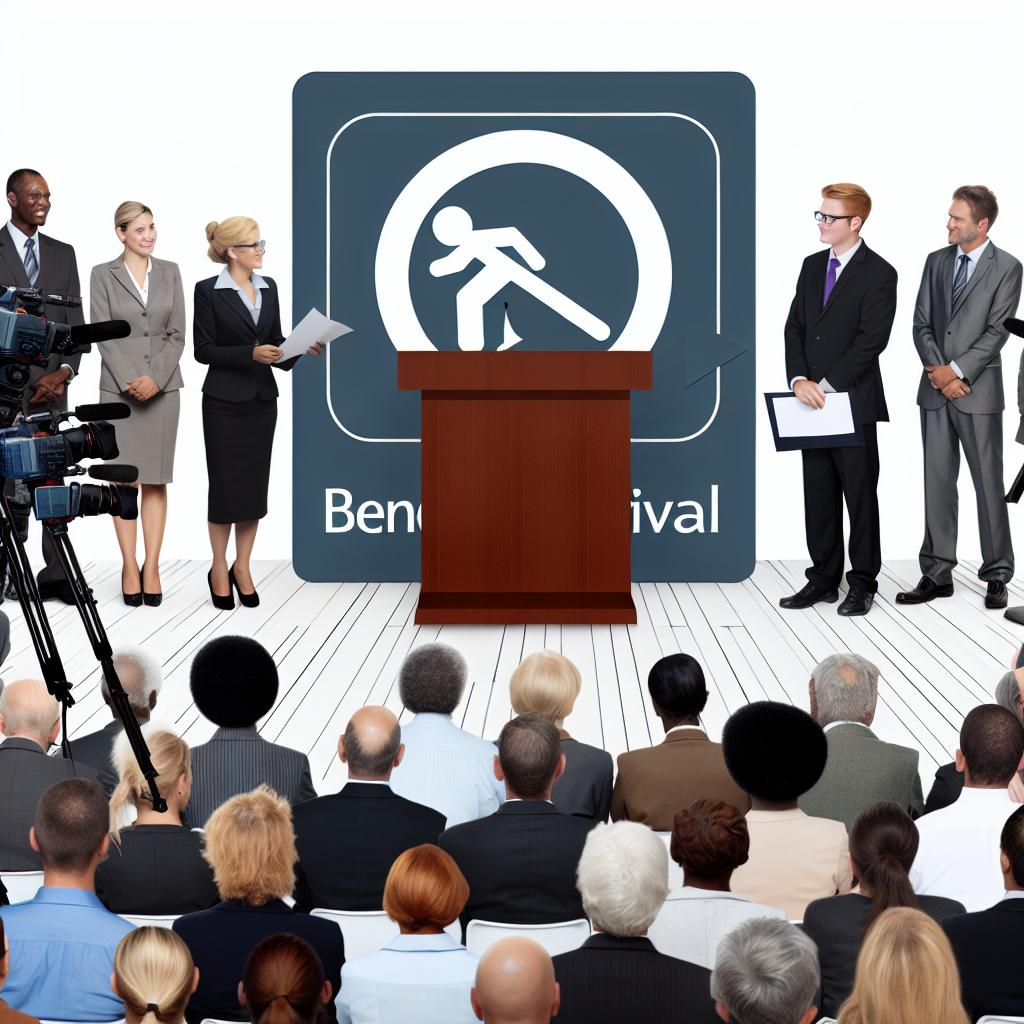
495, 608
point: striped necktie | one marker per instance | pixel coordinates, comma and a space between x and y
960, 281
31, 263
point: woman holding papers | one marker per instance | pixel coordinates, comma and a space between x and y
142, 372
237, 332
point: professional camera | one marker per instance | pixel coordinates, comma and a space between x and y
68, 501
26, 453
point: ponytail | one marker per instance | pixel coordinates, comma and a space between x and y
284, 982
890, 887
155, 974
171, 759
883, 845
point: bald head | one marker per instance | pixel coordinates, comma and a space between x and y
515, 984
28, 711
371, 745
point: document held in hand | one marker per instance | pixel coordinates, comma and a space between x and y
313, 327
795, 425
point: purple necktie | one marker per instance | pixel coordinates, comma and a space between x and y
830, 279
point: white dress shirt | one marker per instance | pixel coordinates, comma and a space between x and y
958, 855
448, 769
142, 289
20, 238
421, 978
693, 921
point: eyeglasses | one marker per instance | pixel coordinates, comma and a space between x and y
831, 218
261, 245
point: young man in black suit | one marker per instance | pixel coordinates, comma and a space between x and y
838, 326
347, 842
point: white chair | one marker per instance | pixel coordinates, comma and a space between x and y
119, 1021
156, 920
996, 1019
21, 885
675, 872
560, 937
214, 1020
366, 931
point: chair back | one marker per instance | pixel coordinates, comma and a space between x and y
995, 1018
675, 872
118, 1021
155, 920
560, 937
21, 885
366, 931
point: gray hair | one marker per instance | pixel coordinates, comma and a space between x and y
845, 688
140, 673
432, 679
766, 972
1008, 695
623, 878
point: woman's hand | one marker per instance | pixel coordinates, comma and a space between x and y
316, 349
266, 354
143, 388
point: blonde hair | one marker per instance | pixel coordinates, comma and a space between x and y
153, 967
127, 212
250, 845
171, 759
906, 974
545, 683
225, 233
855, 199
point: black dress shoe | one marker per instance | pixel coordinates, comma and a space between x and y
858, 602
997, 595
248, 600
808, 595
56, 590
224, 603
926, 590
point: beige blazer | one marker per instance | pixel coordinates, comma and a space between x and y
157, 328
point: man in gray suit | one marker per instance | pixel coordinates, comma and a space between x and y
968, 289
861, 769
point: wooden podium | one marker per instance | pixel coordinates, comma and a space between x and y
526, 484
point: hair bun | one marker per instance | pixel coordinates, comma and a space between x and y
211, 229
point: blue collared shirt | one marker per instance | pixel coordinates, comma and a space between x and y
422, 978
62, 954
20, 238
225, 280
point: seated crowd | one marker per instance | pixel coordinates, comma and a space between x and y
814, 880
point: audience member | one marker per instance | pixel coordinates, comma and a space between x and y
709, 841
234, 684
444, 766
883, 845
284, 982
987, 944
617, 974
425, 892
861, 769
153, 976
7, 1015
520, 862
515, 984
30, 721
655, 782
766, 972
251, 848
64, 938
156, 864
546, 683
777, 752
958, 855
906, 974
347, 842
141, 678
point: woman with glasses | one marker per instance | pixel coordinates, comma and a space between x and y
237, 331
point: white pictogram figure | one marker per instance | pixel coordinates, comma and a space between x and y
453, 226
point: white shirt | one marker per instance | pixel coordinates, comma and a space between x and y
958, 855
448, 769
20, 238
693, 921
143, 290
832, 725
225, 280
680, 728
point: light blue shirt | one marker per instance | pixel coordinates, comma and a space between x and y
422, 978
448, 769
20, 238
225, 280
62, 954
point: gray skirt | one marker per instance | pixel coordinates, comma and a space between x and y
147, 438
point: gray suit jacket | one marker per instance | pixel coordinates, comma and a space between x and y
863, 770
95, 750
585, 789
972, 333
157, 336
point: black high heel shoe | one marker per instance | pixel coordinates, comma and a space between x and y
225, 604
152, 600
248, 600
133, 600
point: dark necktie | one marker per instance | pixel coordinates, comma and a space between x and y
830, 279
31, 263
960, 281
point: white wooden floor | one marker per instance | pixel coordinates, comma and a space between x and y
339, 646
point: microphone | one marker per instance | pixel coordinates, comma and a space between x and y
104, 330
115, 472
1015, 326
102, 411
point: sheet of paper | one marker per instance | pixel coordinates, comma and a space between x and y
794, 419
313, 327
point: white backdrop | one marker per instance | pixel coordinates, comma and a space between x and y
190, 112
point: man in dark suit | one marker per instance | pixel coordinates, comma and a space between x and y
520, 862
28, 258
30, 719
987, 944
348, 842
838, 326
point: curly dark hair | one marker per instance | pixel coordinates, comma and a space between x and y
710, 839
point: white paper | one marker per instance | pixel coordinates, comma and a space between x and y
314, 327
794, 419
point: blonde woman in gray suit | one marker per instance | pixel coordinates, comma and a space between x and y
142, 372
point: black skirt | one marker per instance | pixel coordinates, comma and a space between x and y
239, 439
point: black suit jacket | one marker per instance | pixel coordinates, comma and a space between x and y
221, 939
843, 340
585, 787
987, 947
224, 336
610, 981
347, 843
946, 788
520, 863
95, 749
